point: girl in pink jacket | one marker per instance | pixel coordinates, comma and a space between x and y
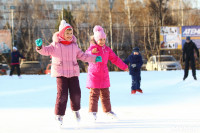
65, 53
98, 75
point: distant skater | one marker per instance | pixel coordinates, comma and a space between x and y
15, 55
189, 58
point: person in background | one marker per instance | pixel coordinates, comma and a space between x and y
189, 58
135, 61
15, 55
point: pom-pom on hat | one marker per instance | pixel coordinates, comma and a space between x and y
98, 33
63, 26
15, 48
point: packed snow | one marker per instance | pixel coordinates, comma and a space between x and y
168, 105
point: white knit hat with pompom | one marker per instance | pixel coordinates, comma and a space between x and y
63, 24
15, 48
63, 27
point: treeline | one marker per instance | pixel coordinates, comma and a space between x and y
127, 24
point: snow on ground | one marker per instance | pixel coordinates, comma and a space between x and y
168, 105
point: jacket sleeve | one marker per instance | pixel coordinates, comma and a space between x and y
140, 63
196, 49
46, 50
86, 57
116, 60
21, 56
184, 52
89, 50
127, 60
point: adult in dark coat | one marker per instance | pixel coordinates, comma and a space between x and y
188, 57
15, 55
135, 61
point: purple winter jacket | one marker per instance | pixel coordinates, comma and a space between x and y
64, 57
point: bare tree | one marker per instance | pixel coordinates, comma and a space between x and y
27, 29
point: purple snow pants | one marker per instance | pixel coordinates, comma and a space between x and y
65, 86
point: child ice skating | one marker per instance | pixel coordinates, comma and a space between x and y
98, 75
135, 61
65, 53
15, 61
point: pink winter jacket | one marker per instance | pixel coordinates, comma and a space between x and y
98, 74
64, 57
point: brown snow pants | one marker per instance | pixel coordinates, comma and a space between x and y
65, 85
94, 98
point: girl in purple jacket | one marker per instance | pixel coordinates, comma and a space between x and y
98, 75
65, 53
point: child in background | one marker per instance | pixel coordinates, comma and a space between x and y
65, 53
15, 55
98, 75
135, 61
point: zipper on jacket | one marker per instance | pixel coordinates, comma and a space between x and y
62, 59
102, 72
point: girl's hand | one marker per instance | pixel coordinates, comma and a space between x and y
95, 51
99, 59
38, 42
127, 70
133, 65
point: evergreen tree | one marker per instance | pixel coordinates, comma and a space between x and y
7, 26
68, 17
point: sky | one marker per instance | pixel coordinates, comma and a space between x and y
196, 3
199, 4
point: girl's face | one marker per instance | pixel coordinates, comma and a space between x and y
68, 35
101, 42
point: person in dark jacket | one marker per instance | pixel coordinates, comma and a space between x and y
135, 61
15, 55
188, 57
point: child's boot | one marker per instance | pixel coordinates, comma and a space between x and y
77, 116
133, 91
59, 119
112, 115
94, 115
139, 90
195, 78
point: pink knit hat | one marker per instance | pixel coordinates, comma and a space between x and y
98, 33
63, 26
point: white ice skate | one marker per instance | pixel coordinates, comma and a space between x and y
59, 119
93, 115
112, 115
77, 115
